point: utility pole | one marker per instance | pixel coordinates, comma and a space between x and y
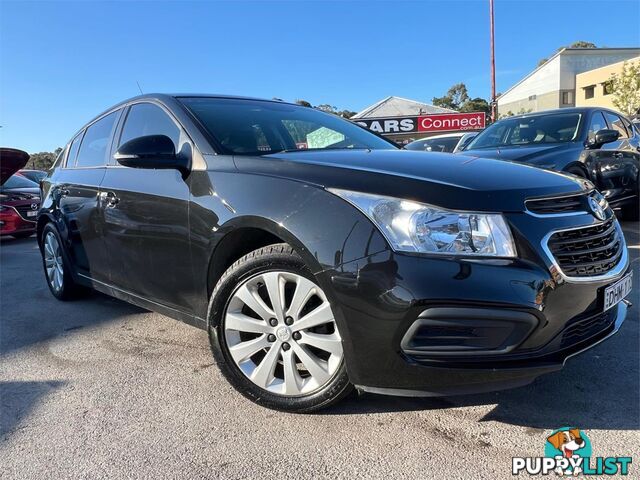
494, 105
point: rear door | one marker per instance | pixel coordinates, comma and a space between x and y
75, 188
146, 217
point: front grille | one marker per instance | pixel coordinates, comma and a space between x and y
547, 206
23, 209
586, 328
588, 251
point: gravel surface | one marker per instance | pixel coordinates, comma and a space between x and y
100, 389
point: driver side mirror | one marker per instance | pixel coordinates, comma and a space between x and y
603, 136
151, 152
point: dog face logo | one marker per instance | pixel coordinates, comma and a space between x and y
567, 441
568, 446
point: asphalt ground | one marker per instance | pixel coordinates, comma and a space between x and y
98, 388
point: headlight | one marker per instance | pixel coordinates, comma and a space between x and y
418, 227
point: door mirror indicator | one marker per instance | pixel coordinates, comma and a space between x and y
603, 136
151, 152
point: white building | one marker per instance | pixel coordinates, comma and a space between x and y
553, 84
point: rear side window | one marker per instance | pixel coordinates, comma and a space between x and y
148, 119
615, 123
93, 150
73, 150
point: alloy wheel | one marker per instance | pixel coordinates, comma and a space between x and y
53, 262
281, 333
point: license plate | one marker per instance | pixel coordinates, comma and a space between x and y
614, 294
32, 213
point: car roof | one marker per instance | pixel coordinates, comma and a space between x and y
165, 96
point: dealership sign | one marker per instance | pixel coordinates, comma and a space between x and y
441, 122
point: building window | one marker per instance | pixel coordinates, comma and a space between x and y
607, 88
567, 98
532, 97
589, 91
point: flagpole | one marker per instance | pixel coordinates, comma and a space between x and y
493, 67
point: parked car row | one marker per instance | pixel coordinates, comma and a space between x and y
592, 143
321, 258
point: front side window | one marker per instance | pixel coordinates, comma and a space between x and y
146, 119
256, 127
615, 123
597, 123
93, 150
525, 131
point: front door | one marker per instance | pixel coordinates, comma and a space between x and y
146, 218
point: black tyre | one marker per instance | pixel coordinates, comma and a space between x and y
22, 235
577, 171
273, 334
56, 266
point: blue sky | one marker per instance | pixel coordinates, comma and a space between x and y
61, 63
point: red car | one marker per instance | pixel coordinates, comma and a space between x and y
19, 196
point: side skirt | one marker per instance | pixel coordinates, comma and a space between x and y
144, 303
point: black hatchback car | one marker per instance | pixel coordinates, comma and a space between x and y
320, 257
591, 142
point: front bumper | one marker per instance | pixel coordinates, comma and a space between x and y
379, 299
12, 223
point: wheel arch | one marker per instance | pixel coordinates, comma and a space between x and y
43, 219
577, 165
243, 235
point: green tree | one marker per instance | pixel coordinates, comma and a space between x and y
346, 113
578, 44
476, 105
582, 44
457, 98
42, 160
454, 99
626, 88
325, 107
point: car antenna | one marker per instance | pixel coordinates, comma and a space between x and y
139, 87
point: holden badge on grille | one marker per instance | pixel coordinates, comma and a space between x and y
598, 204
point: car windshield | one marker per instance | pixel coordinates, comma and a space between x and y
443, 144
256, 127
526, 131
18, 181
